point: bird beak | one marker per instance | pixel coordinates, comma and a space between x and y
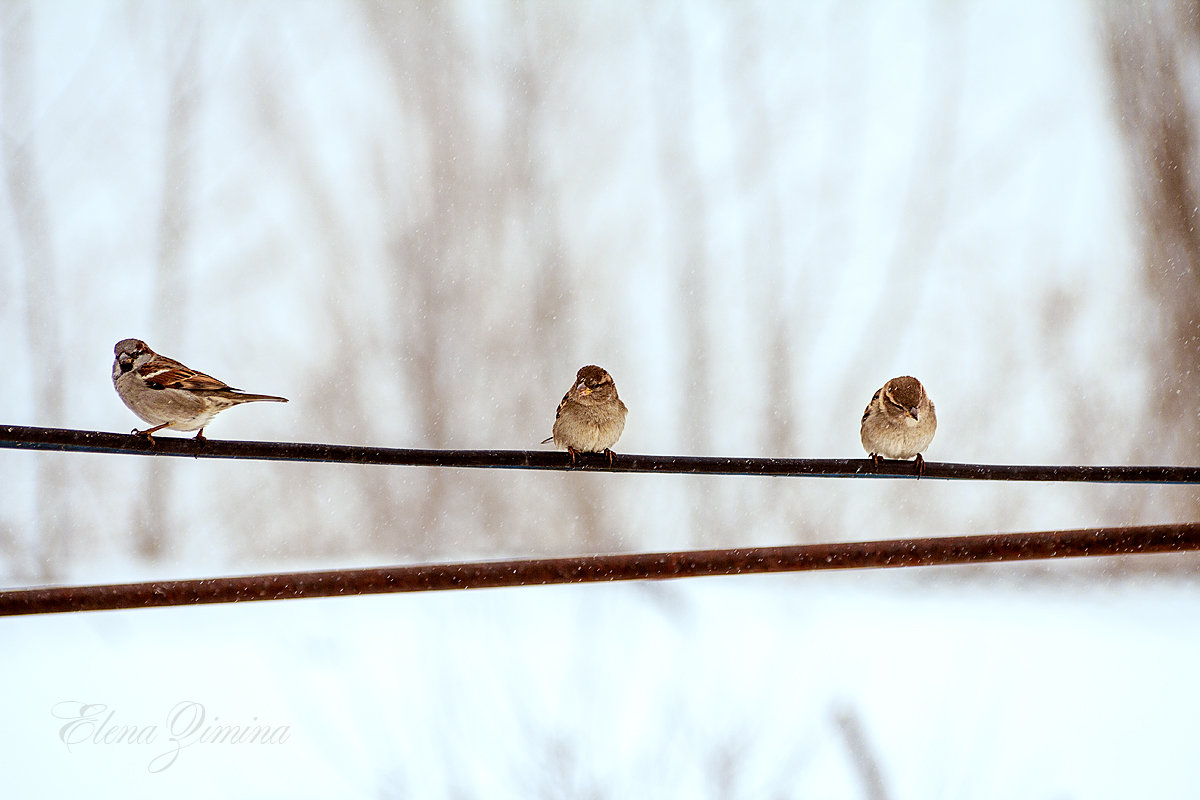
912, 412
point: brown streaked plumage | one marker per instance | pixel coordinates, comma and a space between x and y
899, 422
590, 417
168, 394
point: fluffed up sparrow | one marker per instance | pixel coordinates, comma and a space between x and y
590, 417
167, 394
899, 422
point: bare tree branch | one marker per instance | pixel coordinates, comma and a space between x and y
861, 753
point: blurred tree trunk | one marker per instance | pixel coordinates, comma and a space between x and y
687, 233
484, 220
1154, 52
351, 413
170, 282
922, 223
685, 191
427, 286
35, 253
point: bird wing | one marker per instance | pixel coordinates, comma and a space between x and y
562, 404
167, 373
867, 410
558, 413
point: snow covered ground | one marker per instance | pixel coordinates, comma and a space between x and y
725, 687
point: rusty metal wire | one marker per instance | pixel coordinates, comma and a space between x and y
590, 569
57, 439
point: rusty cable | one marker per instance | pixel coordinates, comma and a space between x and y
1089, 542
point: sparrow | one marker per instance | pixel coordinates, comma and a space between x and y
590, 417
167, 394
899, 422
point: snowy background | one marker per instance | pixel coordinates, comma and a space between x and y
417, 220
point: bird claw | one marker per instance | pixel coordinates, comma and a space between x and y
920, 466
148, 433
608, 452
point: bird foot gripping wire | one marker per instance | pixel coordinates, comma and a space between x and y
149, 432
877, 460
